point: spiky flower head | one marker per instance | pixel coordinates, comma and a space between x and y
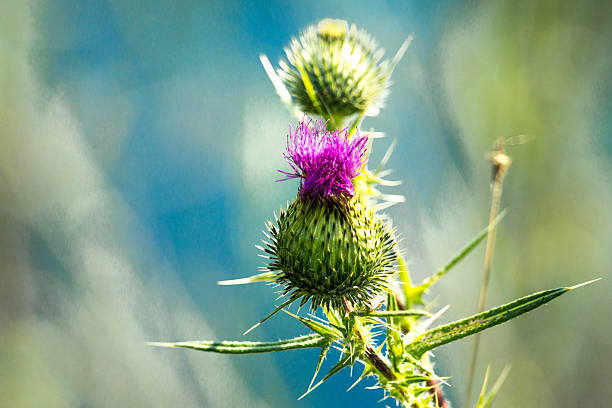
335, 71
328, 246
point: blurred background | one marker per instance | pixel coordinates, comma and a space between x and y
139, 148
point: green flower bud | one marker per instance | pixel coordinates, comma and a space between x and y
329, 248
334, 71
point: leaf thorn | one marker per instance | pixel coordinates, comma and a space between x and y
583, 284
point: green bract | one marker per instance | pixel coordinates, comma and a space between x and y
334, 71
327, 249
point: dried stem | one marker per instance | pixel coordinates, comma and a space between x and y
500, 164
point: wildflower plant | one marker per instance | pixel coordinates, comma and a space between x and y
333, 247
327, 246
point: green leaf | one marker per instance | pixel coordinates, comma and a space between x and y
414, 361
385, 159
324, 351
462, 254
323, 329
392, 313
474, 324
260, 277
483, 390
395, 347
411, 297
344, 362
368, 370
248, 347
486, 399
409, 379
275, 311
333, 317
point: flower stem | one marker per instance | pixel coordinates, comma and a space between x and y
378, 361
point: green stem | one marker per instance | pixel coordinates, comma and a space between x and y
378, 362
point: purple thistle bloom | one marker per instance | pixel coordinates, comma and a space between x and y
326, 162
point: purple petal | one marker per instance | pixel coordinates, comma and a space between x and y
326, 162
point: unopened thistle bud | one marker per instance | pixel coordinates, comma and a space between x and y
328, 245
335, 71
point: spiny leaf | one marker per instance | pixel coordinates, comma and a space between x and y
333, 317
344, 362
423, 368
323, 329
462, 254
424, 325
411, 297
324, 350
278, 309
474, 324
385, 159
260, 277
394, 338
407, 380
248, 347
368, 370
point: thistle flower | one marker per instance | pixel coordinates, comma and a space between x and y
328, 246
334, 71
327, 162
